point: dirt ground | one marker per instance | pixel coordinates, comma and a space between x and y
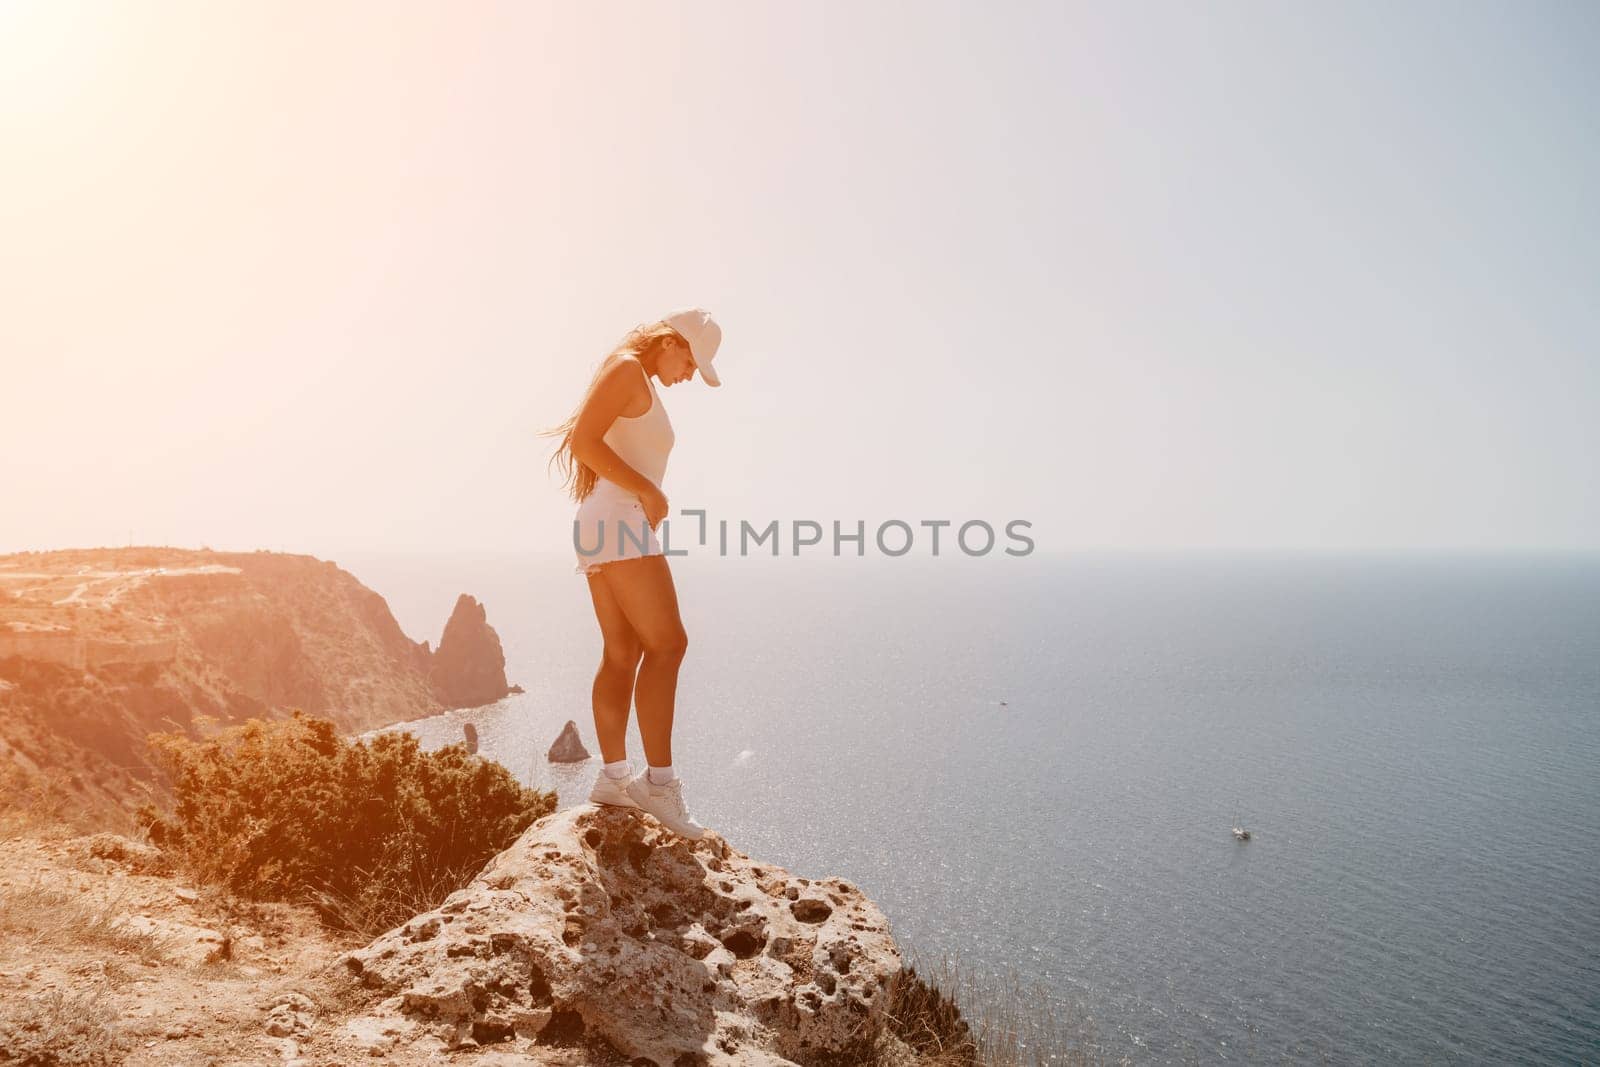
104, 959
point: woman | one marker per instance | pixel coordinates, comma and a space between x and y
613, 454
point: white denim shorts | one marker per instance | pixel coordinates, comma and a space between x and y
610, 525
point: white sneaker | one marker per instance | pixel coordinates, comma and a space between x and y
609, 790
665, 802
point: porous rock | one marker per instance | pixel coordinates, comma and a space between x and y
290, 1015
598, 923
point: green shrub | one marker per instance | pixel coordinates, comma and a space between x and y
369, 833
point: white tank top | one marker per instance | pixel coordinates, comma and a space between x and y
644, 440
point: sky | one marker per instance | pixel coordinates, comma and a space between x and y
1146, 276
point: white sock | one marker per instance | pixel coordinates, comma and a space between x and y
660, 775
618, 769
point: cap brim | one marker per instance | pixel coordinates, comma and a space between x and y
709, 375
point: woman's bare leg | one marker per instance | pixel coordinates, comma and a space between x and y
613, 682
643, 589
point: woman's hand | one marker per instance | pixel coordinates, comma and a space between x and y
654, 502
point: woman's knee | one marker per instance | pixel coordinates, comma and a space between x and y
668, 644
622, 656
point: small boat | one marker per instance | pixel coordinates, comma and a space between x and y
1241, 834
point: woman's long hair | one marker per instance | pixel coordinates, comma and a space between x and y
576, 476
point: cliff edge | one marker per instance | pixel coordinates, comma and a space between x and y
599, 924
596, 940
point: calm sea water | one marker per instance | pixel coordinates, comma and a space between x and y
1414, 742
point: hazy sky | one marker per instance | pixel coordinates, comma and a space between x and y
308, 276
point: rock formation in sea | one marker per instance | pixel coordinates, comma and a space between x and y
568, 746
469, 667
600, 924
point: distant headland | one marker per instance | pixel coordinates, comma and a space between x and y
100, 646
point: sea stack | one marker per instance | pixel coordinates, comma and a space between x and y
569, 746
469, 668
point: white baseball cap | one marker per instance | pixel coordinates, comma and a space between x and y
697, 327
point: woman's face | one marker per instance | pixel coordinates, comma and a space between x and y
675, 364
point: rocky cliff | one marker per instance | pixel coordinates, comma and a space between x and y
100, 646
596, 939
600, 925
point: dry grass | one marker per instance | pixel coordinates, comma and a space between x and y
1013, 1024
41, 916
361, 918
952, 1016
45, 805
60, 1028
926, 1024
29, 804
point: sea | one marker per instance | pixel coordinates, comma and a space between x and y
1034, 765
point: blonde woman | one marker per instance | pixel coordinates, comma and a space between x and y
613, 453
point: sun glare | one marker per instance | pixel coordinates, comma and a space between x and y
49, 54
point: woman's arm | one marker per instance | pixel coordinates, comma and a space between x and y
620, 387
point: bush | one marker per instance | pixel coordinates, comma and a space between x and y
368, 833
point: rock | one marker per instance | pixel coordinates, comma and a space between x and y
378, 1035
568, 747
469, 668
290, 1015
125, 852
599, 923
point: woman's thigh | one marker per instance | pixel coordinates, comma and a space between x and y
622, 644
644, 592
